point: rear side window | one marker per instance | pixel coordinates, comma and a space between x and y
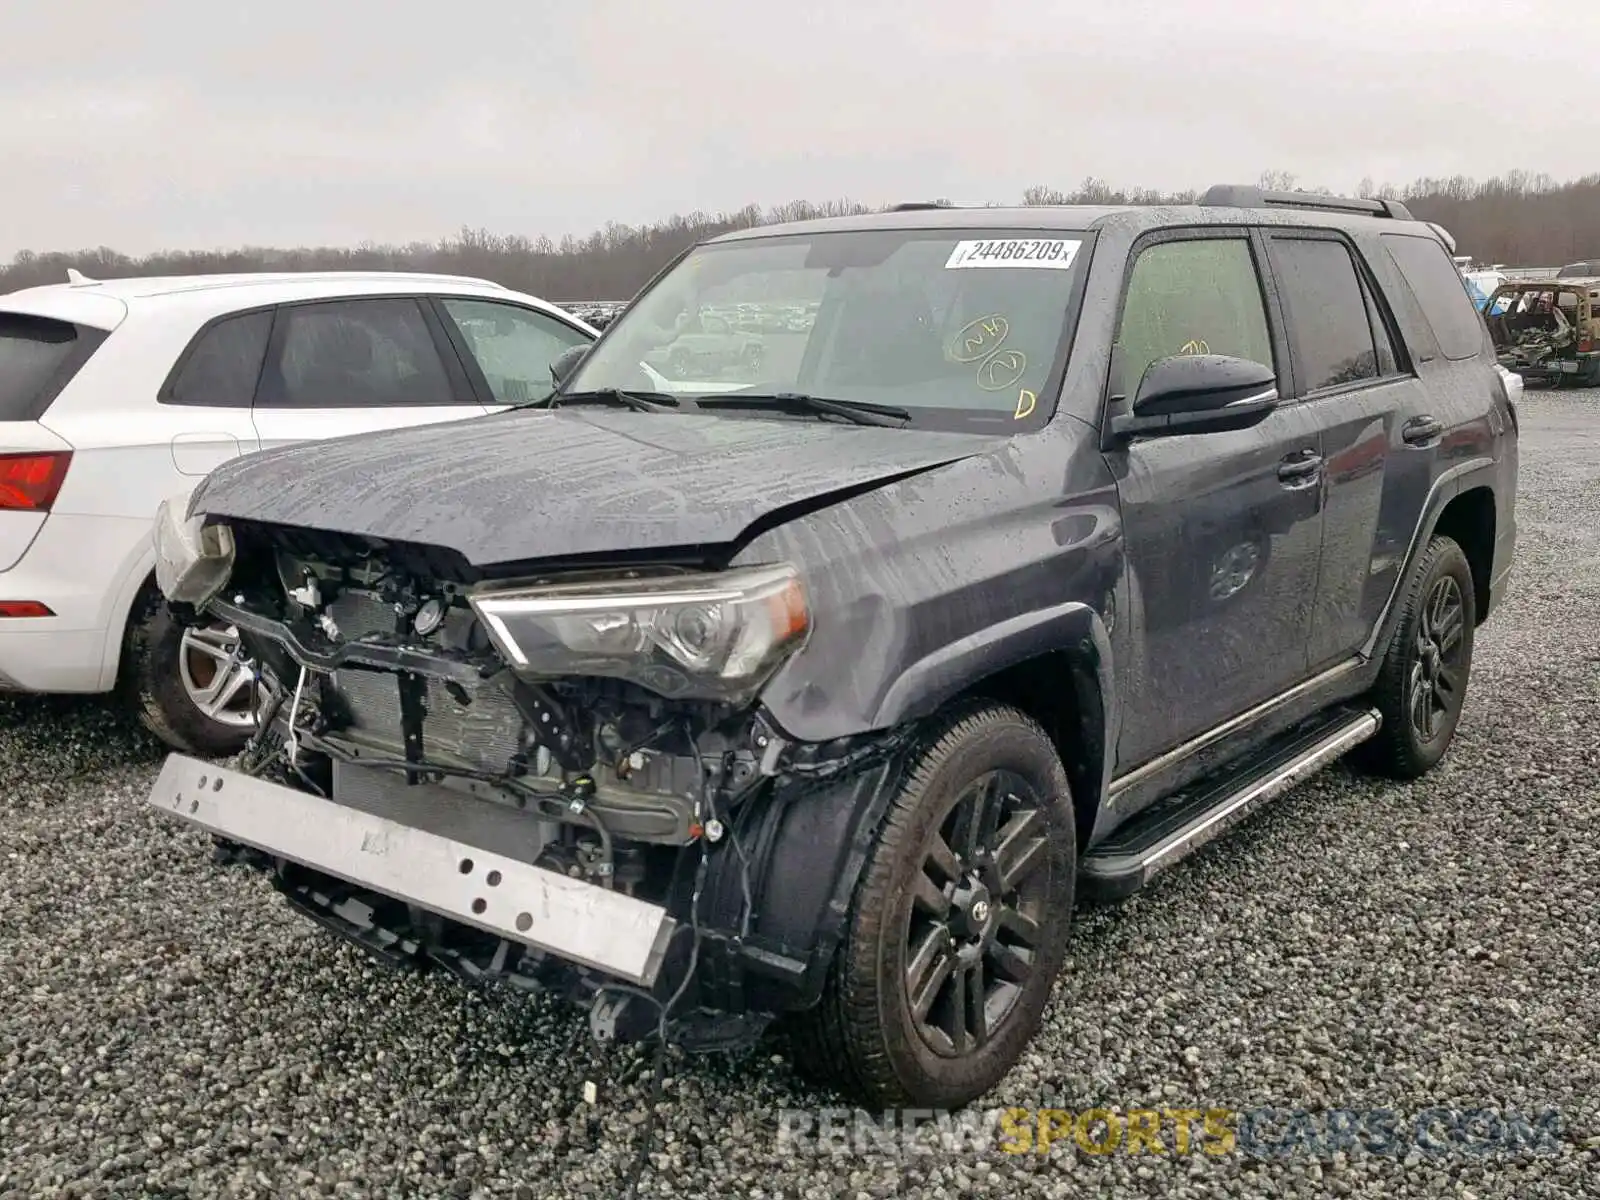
38, 357
1330, 323
223, 364
356, 354
1441, 293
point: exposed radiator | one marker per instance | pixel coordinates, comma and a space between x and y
484, 734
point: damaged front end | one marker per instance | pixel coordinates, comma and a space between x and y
562, 782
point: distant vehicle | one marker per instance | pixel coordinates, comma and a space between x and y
1588, 269
116, 395
1481, 281
1548, 330
713, 349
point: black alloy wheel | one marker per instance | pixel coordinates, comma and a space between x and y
972, 933
1437, 685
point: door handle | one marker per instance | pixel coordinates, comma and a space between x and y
1300, 466
1420, 430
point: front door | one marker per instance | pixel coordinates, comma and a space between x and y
1223, 530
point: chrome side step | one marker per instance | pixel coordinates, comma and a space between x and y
1174, 828
471, 884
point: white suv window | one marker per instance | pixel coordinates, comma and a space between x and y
223, 366
356, 354
513, 346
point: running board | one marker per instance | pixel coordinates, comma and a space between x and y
1176, 827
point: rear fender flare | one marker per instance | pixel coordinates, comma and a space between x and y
1449, 485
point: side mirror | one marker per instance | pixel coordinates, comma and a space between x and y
1199, 393
565, 363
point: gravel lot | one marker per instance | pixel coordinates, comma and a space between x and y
166, 1028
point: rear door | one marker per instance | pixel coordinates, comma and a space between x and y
356, 365
1360, 394
1462, 400
206, 397
507, 348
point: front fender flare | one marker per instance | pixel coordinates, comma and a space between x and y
1072, 627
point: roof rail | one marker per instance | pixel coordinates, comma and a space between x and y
919, 205
1228, 195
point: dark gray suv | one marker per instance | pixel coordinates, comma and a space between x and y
1061, 538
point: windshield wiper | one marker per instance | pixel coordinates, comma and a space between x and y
638, 401
860, 412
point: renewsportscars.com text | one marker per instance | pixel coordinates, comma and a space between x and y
1262, 1132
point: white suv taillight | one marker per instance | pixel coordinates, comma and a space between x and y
31, 482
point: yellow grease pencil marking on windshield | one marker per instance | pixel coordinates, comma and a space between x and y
1001, 369
1195, 346
1026, 401
979, 337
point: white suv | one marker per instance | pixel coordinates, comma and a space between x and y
117, 395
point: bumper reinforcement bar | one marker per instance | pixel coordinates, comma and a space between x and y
574, 920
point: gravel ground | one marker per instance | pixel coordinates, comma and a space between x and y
166, 1028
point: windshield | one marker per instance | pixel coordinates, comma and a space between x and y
955, 327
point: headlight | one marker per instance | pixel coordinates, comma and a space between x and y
712, 637
193, 560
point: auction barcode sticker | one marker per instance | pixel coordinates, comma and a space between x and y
1056, 253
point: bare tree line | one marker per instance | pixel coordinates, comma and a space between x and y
1517, 219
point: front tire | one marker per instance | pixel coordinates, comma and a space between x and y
189, 686
959, 922
1422, 685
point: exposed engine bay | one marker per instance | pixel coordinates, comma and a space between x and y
381, 689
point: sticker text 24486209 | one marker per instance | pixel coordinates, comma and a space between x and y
1056, 253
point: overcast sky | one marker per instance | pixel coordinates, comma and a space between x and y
185, 123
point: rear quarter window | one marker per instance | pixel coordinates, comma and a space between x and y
223, 364
1440, 292
38, 357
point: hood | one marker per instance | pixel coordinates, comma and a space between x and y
520, 486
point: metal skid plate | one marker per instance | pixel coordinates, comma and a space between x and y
567, 917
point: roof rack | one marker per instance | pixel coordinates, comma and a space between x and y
1228, 195
919, 205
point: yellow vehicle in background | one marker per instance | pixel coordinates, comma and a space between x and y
1548, 330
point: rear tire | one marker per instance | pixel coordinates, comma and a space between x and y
154, 681
1422, 685
951, 907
